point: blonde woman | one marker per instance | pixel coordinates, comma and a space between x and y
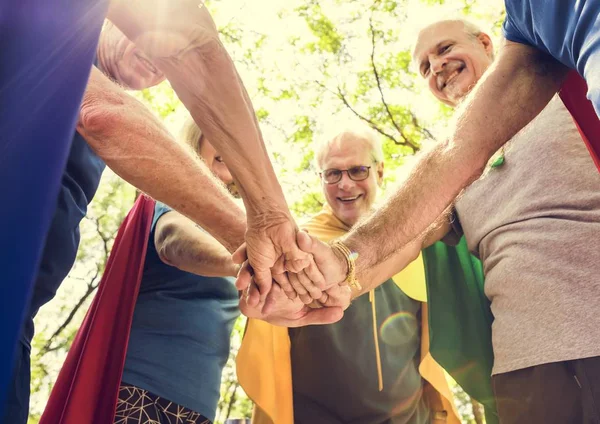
183, 317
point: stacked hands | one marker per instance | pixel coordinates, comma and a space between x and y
289, 278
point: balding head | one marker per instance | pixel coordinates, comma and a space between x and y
451, 56
351, 165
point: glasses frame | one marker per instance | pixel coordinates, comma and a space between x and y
347, 171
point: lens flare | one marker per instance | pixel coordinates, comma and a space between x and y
399, 329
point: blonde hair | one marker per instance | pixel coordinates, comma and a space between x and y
191, 134
361, 134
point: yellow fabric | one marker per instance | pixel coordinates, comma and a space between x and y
264, 370
264, 362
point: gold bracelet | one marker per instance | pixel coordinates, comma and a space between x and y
351, 261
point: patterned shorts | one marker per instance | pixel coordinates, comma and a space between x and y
138, 406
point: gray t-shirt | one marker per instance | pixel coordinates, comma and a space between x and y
535, 223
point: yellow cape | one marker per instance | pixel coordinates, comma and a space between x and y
264, 364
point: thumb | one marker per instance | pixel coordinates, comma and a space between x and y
306, 242
240, 255
320, 251
329, 264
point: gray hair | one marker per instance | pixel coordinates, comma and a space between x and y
362, 134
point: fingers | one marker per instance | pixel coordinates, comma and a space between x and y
253, 296
337, 296
244, 277
313, 274
283, 280
319, 316
253, 284
240, 255
264, 281
331, 267
313, 291
296, 259
275, 295
299, 288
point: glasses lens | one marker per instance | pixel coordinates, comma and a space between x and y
332, 175
359, 173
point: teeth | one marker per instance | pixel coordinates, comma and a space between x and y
451, 76
345, 199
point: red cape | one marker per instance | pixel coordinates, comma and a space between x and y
573, 94
87, 387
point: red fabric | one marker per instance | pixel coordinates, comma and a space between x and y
573, 94
87, 387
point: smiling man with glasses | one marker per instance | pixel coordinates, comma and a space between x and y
351, 165
364, 368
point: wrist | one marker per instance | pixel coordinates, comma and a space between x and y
349, 259
267, 213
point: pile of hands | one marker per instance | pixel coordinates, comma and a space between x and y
289, 278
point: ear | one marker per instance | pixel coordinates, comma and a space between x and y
380, 174
486, 41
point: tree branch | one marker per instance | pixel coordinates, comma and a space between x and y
378, 80
372, 124
90, 289
423, 130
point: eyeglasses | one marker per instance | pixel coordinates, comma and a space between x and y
356, 173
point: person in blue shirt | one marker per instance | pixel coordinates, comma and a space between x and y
184, 314
569, 32
121, 61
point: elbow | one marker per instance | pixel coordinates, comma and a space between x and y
98, 115
166, 245
165, 254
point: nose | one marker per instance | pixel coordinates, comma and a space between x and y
345, 183
437, 63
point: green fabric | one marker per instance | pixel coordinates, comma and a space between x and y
460, 320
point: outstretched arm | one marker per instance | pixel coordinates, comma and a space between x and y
134, 144
516, 88
181, 39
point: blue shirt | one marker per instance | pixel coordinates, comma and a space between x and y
179, 339
78, 186
567, 30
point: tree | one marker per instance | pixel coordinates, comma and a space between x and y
310, 67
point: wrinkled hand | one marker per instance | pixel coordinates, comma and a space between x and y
331, 267
286, 312
271, 249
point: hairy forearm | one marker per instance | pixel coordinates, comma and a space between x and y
515, 90
370, 278
135, 145
181, 39
180, 243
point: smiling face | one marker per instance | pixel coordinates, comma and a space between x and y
124, 62
350, 199
452, 59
